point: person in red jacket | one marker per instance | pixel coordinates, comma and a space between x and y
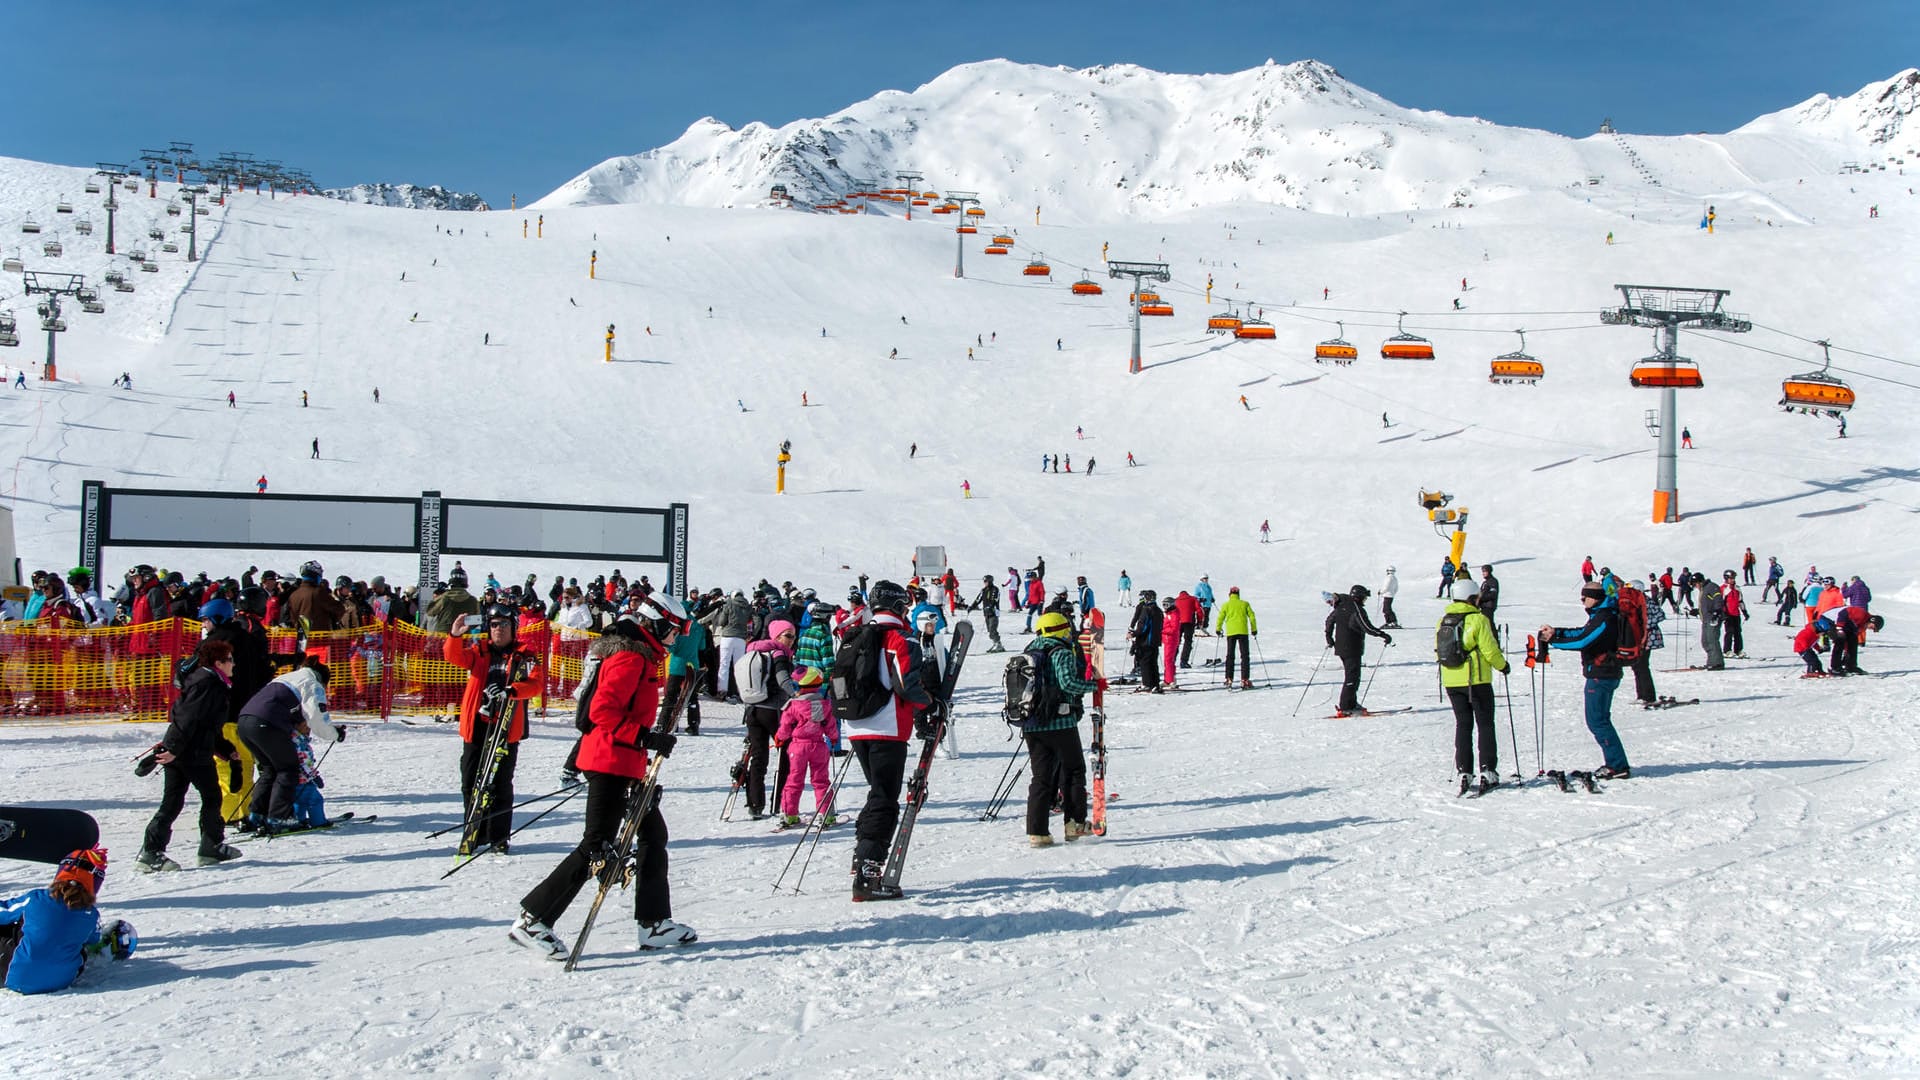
1187, 607
626, 700
1036, 598
880, 740
502, 676
1807, 644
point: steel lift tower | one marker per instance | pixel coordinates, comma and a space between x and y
1666, 308
193, 194
961, 199
912, 181
53, 287
1139, 272
114, 174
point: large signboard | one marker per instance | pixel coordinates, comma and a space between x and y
430, 525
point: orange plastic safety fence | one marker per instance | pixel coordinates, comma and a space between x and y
109, 673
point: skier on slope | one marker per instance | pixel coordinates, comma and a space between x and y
880, 739
502, 676
1237, 623
1389, 589
613, 754
1057, 762
1347, 629
988, 604
1469, 654
1203, 592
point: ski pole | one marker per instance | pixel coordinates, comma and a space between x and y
1370, 675
992, 812
1310, 678
815, 827
817, 833
1264, 678
470, 860
1513, 736
523, 802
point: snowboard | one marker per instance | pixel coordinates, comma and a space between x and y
45, 834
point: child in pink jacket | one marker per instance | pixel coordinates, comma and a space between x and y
809, 732
1169, 640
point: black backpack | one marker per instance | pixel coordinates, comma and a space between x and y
1449, 641
857, 691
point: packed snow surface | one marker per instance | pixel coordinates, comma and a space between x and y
1281, 893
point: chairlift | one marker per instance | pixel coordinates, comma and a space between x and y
1086, 286
1254, 330
997, 249
131, 184
965, 230
169, 246
137, 255
919, 202
122, 285
63, 206
1661, 372
975, 211
185, 229
1002, 238
90, 302
945, 208
929, 194
50, 322
13, 265
1037, 268
115, 277
29, 226
52, 249
93, 187
84, 226
155, 234
1405, 346
1336, 350
202, 211
150, 267
1142, 297
1517, 367
1157, 307
1817, 392
9, 330
1226, 322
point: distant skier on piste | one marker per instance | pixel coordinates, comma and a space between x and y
1347, 629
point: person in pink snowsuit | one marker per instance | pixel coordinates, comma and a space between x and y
809, 732
1169, 641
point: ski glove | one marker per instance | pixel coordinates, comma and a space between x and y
1388, 638
660, 742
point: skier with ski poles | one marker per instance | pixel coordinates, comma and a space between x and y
988, 604
1347, 629
614, 755
502, 676
1236, 623
1469, 654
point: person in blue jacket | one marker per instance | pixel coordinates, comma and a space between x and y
47, 935
1084, 596
1597, 641
1203, 592
924, 606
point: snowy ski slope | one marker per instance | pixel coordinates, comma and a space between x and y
1281, 894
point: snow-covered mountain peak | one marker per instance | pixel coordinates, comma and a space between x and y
1878, 118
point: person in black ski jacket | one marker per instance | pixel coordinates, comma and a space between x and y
1489, 587
1144, 640
1346, 630
988, 604
192, 741
1598, 642
254, 662
293, 703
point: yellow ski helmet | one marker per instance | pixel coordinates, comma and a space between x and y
1053, 624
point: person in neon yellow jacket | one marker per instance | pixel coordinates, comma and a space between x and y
1469, 684
1236, 622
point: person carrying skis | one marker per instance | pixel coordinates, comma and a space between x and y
1389, 589
1237, 623
880, 739
988, 604
1347, 629
614, 756
1597, 642
1469, 654
502, 676
808, 735
1055, 758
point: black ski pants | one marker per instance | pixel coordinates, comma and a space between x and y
992, 617
1812, 657
1186, 644
1473, 716
1736, 639
884, 763
499, 821
1239, 643
763, 724
201, 775
276, 764
607, 801
1643, 678
1386, 611
1846, 649
1350, 684
1057, 764
677, 686
1149, 666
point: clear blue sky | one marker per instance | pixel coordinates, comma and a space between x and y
498, 98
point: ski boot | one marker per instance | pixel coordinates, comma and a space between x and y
148, 862
536, 935
1489, 779
1041, 840
868, 886
223, 853
664, 933
1077, 829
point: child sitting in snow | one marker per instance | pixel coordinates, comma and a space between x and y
809, 732
47, 935
309, 806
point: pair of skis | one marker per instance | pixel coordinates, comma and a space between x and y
619, 862
916, 788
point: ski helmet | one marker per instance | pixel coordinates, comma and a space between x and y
1167, 604
1465, 588
79, 577
1053, 625
253, 601
821, 609
457, 579
311, 570
854, 596
887, 596
502, 613
1359, 592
